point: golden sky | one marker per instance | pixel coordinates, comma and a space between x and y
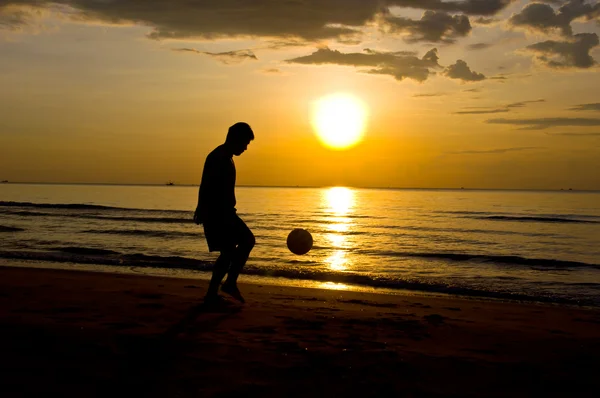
472, 93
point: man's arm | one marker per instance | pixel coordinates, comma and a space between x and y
204, 183
197, 214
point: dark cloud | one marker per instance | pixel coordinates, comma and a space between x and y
460, 70
228, 57
309, 20
544, 123
434, 26
492, 151
178, 19
485, 21
544, 18
573, 53
470, 7
479, 46
400, 65
586, 107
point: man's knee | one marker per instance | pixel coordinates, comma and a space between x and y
248, 241
226, 255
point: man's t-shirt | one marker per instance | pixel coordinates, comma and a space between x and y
216, 198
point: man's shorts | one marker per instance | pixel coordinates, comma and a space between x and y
226, 232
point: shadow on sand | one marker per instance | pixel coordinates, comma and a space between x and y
148, 362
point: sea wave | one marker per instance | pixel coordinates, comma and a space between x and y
471, 212
312, 226
537, 219
82, 255
470, 230
4, 228
84, 206
496, 259
167, 220
145, 232
79, 206
85, 250
164, 220
486, 215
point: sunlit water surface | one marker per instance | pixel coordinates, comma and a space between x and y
506, 244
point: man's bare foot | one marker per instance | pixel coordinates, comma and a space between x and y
233, 291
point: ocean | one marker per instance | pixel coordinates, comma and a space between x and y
539, 246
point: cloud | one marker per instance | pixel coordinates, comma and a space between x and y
473, 90
308, 20
429, 95
460, 70
485, 21
493, 151
544, 123
282, 43
479, 46
470, 7
400, 65
271, 71
434, 26
542, 17
574, 53
523, 103
577, 134
586, 107
503, 109
482, 112
15, 18
228, 57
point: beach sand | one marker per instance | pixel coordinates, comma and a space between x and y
84, 334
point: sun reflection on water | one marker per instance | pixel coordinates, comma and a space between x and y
337, 261
334, 286
339, 201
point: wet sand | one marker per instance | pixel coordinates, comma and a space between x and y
85, 334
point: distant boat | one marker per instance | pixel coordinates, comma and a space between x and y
4, 181
170, 183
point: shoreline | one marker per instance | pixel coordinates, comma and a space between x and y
89, 334
281, 281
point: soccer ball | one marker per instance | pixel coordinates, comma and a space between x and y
299, 241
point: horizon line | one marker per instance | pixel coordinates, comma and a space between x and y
306, 186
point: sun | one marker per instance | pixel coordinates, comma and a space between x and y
339, 120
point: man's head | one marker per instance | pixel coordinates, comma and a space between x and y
238, 137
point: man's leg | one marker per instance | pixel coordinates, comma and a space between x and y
222, 265
246, 242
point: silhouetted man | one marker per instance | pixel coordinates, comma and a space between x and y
223, 228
